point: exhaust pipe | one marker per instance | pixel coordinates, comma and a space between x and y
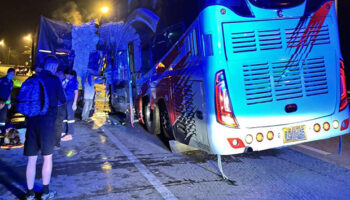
248, 150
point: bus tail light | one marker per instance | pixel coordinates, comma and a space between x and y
224, 113
259, 137
249, 139
326, 126
343, 92
344, 125
236, 143
317, 127
335, 124
270, 135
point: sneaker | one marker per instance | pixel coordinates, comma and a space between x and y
30, 197
49, 195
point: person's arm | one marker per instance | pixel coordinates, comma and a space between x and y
74, 106
9, 98
2, 103
61, 95
76, 93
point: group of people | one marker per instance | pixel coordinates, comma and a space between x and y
45, 132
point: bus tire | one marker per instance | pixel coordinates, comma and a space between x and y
165, 124
152, 119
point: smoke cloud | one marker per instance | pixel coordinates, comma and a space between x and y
69, 12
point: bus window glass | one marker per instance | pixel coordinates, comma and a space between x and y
166, 39
276, 3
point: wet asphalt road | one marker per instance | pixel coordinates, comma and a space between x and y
106, 161
118, 162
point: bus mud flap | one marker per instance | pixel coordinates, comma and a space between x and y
220, 168
340, 145
131, 105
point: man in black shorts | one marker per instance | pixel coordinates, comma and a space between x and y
40, 135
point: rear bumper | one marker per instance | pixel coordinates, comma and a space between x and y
220, 136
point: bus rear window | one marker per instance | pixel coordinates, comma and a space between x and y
276, 3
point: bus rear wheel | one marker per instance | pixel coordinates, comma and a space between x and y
152, 119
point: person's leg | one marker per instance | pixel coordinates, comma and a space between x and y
84, 115
47, 169
65, 119
47, 138
30, 172
89, 107
31, 148
59, 124
71, 119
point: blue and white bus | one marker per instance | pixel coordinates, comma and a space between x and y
231, 76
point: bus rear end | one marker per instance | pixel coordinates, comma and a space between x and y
275, 77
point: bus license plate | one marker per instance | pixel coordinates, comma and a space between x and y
293, 134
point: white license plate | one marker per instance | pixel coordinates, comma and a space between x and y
295, 133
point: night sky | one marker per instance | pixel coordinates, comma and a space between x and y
20, 17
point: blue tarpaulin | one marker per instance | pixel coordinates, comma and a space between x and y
54, 38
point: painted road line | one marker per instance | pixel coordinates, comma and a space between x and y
167, 194
314, 149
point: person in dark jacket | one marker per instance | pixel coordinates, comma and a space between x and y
40, 135
6, 86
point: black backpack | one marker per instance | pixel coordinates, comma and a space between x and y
32, 99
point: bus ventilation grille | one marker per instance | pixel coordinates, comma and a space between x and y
257, 83
270, 39
243, 42
284, 80
315, 35
315, 77
251, 41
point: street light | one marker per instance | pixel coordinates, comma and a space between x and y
2, 43
28, 38
104, 9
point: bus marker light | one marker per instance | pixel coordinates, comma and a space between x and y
326, 126
270, 135
223, 11
259, 137
317, 127
344, 125
249, 139
236, 143
335, 124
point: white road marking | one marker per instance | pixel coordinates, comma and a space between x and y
167, 194
314, 149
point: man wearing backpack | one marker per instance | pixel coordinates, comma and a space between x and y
40, 133
6, 85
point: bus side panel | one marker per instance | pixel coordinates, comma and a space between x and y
179, 81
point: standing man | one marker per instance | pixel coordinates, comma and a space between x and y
6, 85
89, 94
40, 135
